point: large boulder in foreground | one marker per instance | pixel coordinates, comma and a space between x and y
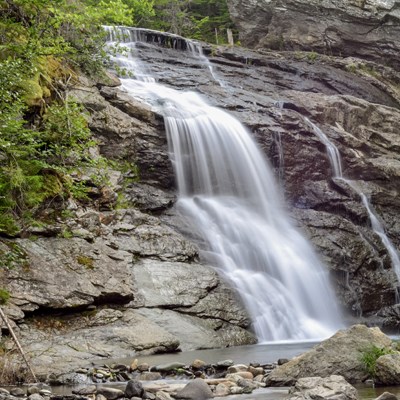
333, 387
338, 355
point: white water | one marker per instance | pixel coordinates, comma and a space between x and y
130, 36
376, 224
227, 190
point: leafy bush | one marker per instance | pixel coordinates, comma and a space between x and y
43, 132
369, 357
4, 296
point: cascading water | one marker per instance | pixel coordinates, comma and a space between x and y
377, 227
227, 190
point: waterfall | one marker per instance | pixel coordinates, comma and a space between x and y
227, 190
376, 224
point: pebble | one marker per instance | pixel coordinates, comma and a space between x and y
240, 375
237, 368
110, 393
282, 361
197, 364
91, 389
4, 391
163, 396
33, 390
236, 390
150, 376
143, 367
225, 363
17, 392
103, 373
168, 367
221, 390
134, 364
35, 396
256, 370
119, 367
82, 371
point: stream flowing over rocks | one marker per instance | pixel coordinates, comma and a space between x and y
121, 272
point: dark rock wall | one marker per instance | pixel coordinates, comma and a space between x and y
367, 29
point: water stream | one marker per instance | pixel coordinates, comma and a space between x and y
376, 224
226, 188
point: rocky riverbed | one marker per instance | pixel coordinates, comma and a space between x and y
321, 373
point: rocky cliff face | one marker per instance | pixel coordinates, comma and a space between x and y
121, 273
367, 29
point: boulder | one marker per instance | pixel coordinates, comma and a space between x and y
195, 390
387, 396
134, 388
388, 369
333, 387
338, 355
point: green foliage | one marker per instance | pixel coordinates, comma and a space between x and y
4, 296
199, 19
43, 132
85, 261
13, 257
312, 56
369, 357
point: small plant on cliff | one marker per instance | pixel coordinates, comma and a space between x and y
369, 357
4, 296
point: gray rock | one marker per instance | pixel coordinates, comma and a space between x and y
143, 367
35, 396
332, 387
17, 392
163, 396
388, 369
194, 332
150, 376
225, 363
195, 390
85, 390
33, 389
221, 390
282, 361
134, 388
273, 25
168, 367
340, 354
387, 396
110, 393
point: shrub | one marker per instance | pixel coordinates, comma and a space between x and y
4, 296
369, 357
